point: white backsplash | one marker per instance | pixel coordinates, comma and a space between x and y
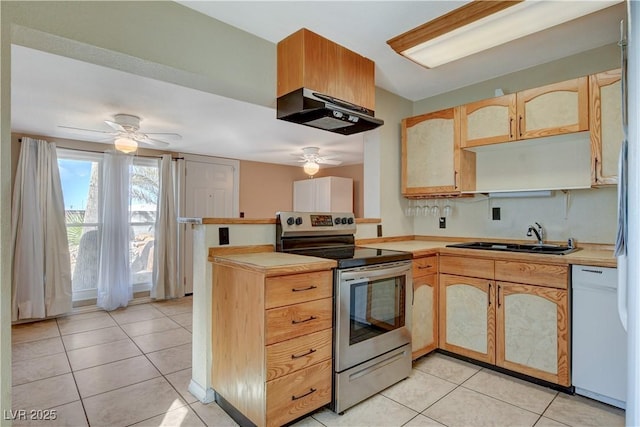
586, 215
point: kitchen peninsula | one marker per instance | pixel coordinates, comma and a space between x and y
260, 234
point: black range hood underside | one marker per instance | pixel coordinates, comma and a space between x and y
313, 109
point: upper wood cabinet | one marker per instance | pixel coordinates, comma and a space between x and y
432, 161
308, 60
605, 119
489, 121
553, 109
549, 110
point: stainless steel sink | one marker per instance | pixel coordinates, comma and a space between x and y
516, 247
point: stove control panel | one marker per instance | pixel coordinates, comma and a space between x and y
316, 223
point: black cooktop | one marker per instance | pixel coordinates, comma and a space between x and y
355, 256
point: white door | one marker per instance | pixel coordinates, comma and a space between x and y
210, 191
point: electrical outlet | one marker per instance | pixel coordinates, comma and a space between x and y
495, 214
379, 230
443, 222
223, 235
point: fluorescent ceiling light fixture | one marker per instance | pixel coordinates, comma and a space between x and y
311, 168
481, 25
126, 145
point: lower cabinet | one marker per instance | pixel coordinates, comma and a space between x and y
424, 322
467, 317
532, 331
523, 327
272, 342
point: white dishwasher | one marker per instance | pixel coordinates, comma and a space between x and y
599, 342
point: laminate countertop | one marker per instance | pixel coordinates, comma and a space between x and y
275, 263
583, 256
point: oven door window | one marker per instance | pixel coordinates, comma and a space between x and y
377, 307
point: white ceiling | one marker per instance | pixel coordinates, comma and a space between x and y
44, 97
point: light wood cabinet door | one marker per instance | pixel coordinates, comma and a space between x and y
490, 121
467, 317
605, 118
533, 331
424, 323
432, 161
554, 109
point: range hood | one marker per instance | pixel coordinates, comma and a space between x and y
324, 85
321, 111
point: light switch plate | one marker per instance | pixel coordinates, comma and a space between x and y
495, 214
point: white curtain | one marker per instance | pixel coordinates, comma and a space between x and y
114, 271
41, 265
165, 278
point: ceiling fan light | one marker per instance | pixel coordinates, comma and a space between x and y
311, 168
476, 27
126, 145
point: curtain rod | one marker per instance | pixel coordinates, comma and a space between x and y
102, 152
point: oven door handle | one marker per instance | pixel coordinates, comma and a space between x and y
375, 272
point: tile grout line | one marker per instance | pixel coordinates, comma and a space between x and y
162, 375
60, 336
84, 410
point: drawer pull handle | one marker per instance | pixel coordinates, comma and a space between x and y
422, 267
311, 390
295, 322
298, 356
303, 289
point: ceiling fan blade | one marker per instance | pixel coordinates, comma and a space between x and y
329, 162
87, 130
155, 142
166, 135
115, 126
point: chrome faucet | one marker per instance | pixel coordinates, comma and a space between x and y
539, 232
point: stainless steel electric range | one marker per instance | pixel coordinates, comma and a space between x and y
372, 293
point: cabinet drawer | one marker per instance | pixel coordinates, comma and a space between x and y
299, 393
424, 266
298, 353
287, 290
299, 319
555, 276
465, 266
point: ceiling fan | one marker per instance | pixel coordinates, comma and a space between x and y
311, 159
125, 131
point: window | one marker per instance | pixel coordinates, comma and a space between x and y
80, 174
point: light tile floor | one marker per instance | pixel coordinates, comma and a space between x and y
132, 367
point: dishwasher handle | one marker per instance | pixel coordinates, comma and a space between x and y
622, 290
